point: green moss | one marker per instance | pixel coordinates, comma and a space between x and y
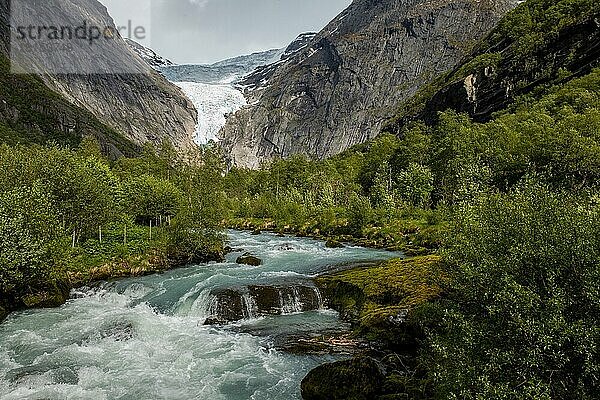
402, 283
51, 298
379, 299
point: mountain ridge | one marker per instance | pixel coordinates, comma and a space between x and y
342, 88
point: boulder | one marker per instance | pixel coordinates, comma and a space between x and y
229, 249
234, 304
256, 232
215, 321
45, 299
359, 378
249, 259
333, 244
229, 307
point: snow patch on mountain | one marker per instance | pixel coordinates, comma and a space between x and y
214, 103
222, 72
150, 56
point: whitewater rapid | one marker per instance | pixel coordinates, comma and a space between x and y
145, 338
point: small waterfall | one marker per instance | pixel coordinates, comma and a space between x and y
320, 300
205, 305
290, 300
250, 309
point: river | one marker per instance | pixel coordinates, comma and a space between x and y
145, 338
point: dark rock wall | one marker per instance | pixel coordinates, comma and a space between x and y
341, 88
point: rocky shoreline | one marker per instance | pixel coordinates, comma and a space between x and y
57, 292
333, 239
380, 303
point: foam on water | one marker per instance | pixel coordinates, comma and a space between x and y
145, 339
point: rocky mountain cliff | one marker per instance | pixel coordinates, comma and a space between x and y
507, 65
124, 93
150, 56
341, 88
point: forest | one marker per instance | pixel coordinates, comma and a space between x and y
500, 220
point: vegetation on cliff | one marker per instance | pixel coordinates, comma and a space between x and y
32, 113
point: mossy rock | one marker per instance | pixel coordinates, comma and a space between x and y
355, 379
44, 300
3, 314
379, 300
400, 282
333, 244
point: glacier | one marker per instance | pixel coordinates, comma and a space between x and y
217, 90
213, 102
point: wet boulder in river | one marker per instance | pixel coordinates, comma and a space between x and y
249, 259
333, 244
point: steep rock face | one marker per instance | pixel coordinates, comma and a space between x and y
126, 95
150, 56
30, 112
498, 72
340, 89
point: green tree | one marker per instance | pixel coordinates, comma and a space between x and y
523, 320
148, 198
30, 239
415, 185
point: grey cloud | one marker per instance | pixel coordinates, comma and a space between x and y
199, 31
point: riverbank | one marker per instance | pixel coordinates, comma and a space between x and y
382, 303
412, 237
56, 291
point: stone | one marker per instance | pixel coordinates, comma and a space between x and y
359, 378
229, 307
248, 259
333, 244
44, 300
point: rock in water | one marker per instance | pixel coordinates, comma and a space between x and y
229, 306
333, 244
341, 87
3, 314
358, 379
249, 259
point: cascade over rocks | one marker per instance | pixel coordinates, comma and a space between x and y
235, 304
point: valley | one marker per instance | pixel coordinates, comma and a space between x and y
402, 205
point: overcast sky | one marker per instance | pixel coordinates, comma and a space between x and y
205, 31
